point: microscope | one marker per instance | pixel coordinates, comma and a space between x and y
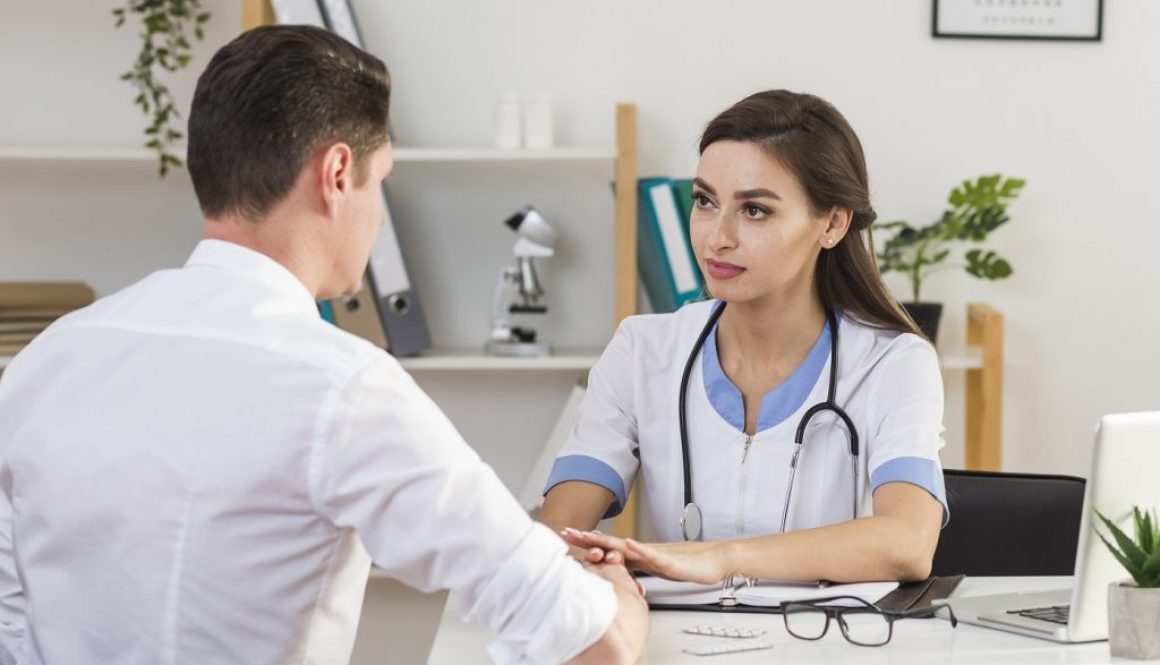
518, 290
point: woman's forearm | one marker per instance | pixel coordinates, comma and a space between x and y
871, 548
896, 543
575, 504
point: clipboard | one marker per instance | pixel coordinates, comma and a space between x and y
908, 597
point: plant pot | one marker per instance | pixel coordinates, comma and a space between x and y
927, 316
1133, 621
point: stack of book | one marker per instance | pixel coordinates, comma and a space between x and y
27, 308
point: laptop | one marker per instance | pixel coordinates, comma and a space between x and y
1126, 455
398, 624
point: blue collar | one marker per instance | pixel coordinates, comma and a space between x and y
779, 403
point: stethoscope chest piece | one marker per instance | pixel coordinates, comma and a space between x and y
691, 522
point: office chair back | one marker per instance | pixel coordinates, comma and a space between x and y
1009, 524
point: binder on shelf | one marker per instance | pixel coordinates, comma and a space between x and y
326, 311
298, 12
403, 324
668, 270
359, 315
532, 496
400, 310
683, 189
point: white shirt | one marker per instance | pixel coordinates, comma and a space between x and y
888, 383
192, 467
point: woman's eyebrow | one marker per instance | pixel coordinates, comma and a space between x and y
757, 193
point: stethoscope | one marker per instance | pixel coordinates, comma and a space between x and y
691, 519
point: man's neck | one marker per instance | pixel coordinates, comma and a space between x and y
274, 237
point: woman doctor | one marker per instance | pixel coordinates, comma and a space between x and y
706, 402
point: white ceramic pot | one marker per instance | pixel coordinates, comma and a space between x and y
1133, 621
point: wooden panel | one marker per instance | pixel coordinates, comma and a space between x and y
256, 13
625, 524
984, 411
625, 229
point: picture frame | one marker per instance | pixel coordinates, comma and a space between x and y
1053, 20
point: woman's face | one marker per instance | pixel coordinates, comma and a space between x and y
752, 228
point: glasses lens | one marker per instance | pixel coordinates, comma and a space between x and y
805, 621
869, 629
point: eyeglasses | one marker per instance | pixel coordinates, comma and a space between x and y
862, 623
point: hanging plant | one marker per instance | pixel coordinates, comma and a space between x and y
166, 27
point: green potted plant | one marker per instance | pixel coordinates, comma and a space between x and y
1134, 606
976, 208
165, 33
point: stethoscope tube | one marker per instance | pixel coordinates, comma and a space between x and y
691, 517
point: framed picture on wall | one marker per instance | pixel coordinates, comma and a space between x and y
1073, 20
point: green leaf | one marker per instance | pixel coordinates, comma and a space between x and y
1136, 573
1127, 547
1000, 269
1144, 535
1150, 572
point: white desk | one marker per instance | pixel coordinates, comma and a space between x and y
917, 641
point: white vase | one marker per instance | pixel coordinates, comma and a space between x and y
1133, 621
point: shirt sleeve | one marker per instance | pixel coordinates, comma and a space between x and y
908, 433
603, 448
390, 466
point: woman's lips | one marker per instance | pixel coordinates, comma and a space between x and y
721, 270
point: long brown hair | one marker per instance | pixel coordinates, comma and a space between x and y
811, 138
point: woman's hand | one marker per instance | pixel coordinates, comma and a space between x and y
703, 562
595, 555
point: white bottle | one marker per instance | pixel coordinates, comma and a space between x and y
538, 121
507, 121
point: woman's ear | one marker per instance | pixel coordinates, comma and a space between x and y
335, 176
837, 225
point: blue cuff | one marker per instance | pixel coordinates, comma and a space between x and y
919, 471
592, 470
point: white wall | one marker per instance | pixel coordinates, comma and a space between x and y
1077, 120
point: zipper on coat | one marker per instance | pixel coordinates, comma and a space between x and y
739, 523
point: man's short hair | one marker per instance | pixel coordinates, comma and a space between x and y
271, 98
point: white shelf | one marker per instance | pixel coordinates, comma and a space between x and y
467, 359
963, 359
402, 154
405, 154
461, 359
104, 154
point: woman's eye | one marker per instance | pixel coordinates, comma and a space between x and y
702, 201
754, 211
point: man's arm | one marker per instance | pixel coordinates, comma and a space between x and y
625, 638
433, 515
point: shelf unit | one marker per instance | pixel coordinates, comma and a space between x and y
469, 360
401, 154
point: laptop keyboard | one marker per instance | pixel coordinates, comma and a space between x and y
1053, 613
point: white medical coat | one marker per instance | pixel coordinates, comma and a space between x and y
888, 383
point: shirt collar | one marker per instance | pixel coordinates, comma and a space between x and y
233, 257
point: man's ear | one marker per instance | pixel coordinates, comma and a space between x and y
336, 176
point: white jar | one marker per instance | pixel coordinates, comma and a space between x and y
538, 121
507, 121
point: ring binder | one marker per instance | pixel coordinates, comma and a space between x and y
404, 326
